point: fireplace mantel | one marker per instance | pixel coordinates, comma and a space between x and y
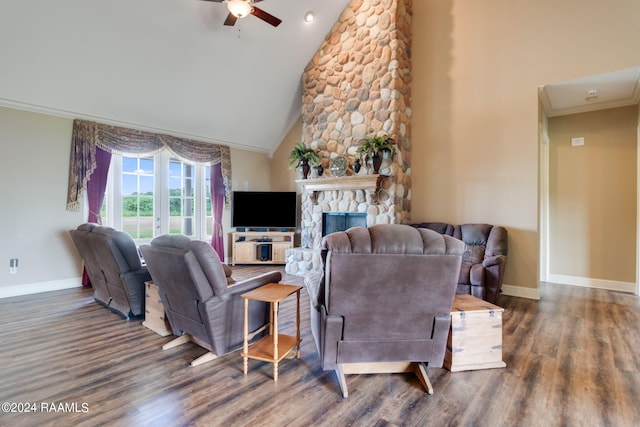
352, 182
369, 183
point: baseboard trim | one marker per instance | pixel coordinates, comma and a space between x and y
587, 282
36, 288
521, 292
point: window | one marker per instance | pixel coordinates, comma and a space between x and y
181, 198
149, 196
137, 196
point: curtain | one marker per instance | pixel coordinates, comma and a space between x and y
217, 204
88, 136
96, 185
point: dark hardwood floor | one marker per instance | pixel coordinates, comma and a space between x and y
573, 359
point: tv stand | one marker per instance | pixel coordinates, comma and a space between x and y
261, 247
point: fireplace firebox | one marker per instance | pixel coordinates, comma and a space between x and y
340, 221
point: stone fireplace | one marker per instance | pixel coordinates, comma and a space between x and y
371, 195
368, 194
357, 84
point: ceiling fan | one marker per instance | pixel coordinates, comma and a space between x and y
242, 8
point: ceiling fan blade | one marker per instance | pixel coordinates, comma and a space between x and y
266, 17
231, 19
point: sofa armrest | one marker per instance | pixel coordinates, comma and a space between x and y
333, 326
476, 275
239, 288
312, 285
493, 260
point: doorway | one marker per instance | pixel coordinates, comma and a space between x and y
589, 190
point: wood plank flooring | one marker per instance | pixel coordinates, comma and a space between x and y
573, 359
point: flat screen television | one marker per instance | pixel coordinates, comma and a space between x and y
264, 209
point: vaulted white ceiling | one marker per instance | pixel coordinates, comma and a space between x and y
162, 65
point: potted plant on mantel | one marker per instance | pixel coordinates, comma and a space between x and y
372, 148
303, 157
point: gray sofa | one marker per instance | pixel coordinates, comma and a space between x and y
113, 264
384, 299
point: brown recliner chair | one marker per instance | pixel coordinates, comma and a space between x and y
114, 268
484, 260
199, 304
383, 302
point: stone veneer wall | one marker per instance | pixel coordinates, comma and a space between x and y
359, 83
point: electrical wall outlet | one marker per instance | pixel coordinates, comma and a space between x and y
13, 265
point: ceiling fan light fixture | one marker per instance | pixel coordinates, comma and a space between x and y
239, 8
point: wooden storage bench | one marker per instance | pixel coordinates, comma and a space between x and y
154, 317
475, 336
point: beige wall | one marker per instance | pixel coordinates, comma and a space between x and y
592, 195
477, 65
283, 178
33, 216
250, 171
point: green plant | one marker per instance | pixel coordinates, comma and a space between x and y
300, 152
373, 144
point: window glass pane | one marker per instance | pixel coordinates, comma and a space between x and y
146, 185
188, 226
181, 197
129, 164
175, 187
129, 184
146, 166
175, 168
188, 187
145, 228
146, 206
188, 170
175, 206
175, 225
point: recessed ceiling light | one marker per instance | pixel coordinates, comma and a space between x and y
309, 16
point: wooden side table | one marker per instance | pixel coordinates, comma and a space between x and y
475, 336
274, 347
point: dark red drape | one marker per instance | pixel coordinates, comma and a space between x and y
217, 205
96, 187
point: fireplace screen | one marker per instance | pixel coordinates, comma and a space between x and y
340, 221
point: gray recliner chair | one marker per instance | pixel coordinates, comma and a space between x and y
199, 303
384, 300
484, 260
114, 268
440, 227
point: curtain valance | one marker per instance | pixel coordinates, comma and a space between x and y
89, 135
